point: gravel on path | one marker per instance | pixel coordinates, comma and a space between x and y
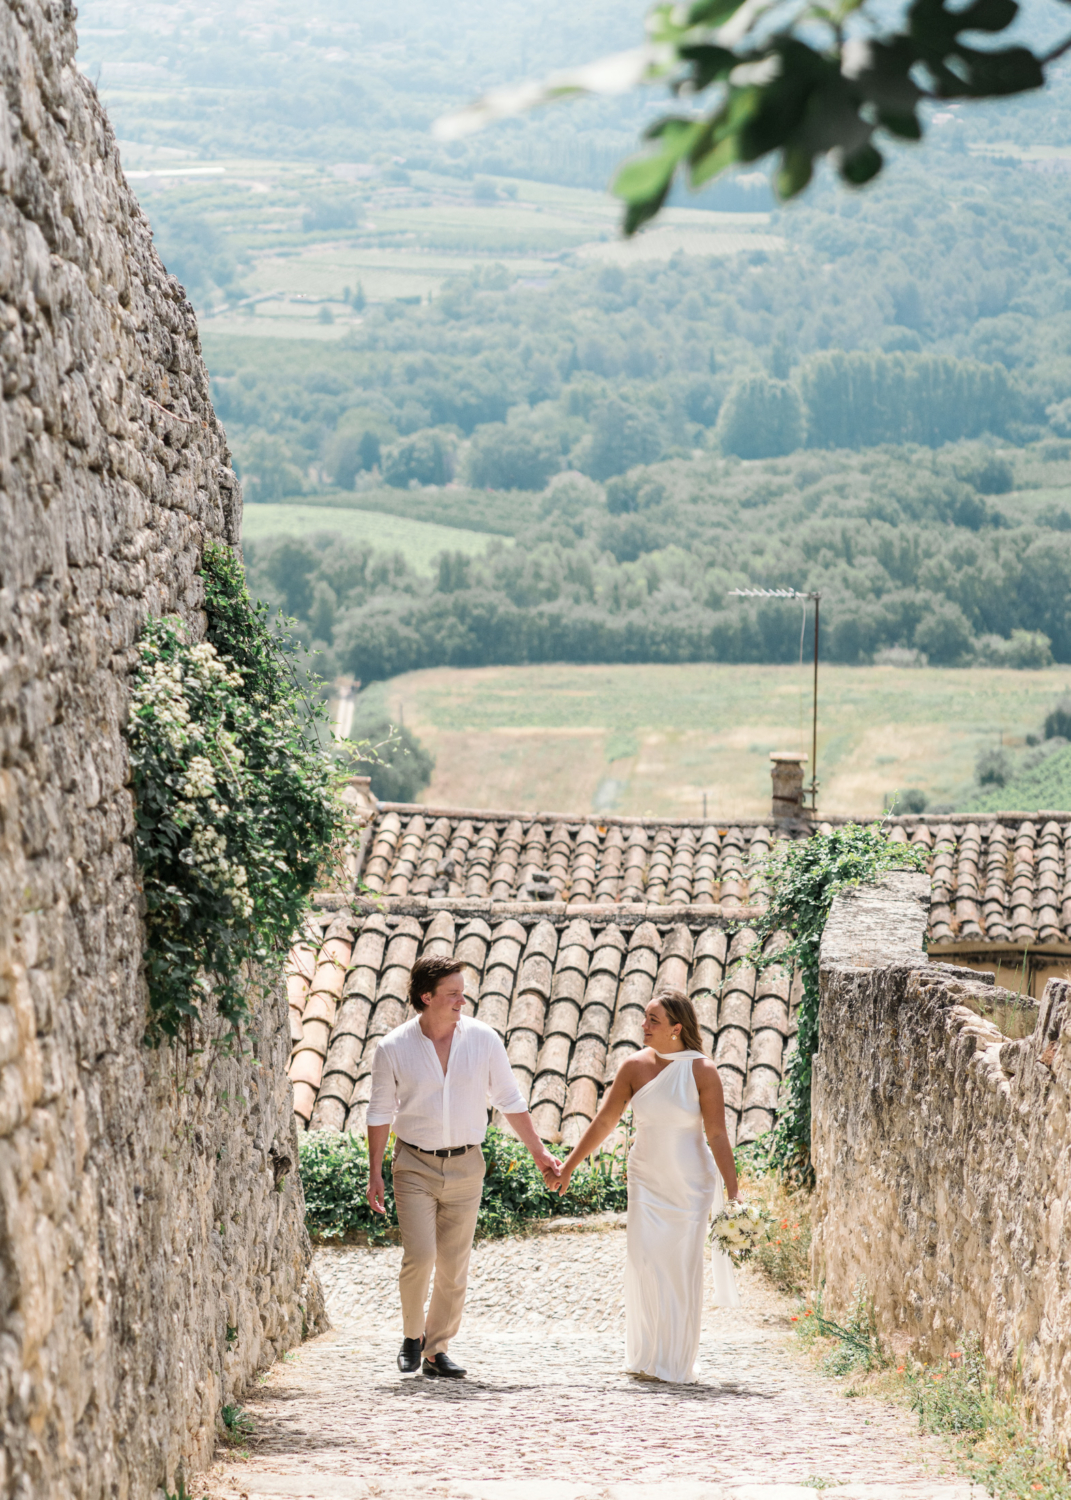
546, 1412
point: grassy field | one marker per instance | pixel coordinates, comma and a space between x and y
655, 739
418, 541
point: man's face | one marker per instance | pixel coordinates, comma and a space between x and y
448, 995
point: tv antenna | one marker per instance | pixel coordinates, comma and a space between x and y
812, 790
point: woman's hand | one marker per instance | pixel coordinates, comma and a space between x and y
568, 1168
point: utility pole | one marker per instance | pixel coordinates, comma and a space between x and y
816, 600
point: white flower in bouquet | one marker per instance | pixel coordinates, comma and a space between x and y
739, 1229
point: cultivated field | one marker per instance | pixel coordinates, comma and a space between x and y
655, 739
419, 542
411, 238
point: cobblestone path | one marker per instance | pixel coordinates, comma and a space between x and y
546, 1412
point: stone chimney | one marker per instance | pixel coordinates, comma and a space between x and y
787, 773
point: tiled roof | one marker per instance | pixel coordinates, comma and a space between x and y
569, 924
566, 994
1001, 878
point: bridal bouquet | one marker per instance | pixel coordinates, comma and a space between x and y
739, 1230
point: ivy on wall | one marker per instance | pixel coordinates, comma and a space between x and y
236, 814
804, 878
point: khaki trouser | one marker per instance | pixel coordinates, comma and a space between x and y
438, 1199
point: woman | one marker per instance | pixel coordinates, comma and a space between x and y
674, 1181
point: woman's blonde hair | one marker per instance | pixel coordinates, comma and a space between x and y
681, 1012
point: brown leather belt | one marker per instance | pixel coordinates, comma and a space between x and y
443, 1150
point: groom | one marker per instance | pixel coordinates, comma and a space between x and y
432, 1079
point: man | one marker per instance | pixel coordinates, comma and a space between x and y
432, 1079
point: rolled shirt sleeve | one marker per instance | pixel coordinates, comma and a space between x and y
383, 1103
503, 1091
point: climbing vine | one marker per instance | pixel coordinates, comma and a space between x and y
804, 878
235, 807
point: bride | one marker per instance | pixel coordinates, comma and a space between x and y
674, 1182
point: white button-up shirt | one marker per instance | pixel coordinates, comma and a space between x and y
432, 1109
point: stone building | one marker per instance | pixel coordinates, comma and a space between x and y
569, 923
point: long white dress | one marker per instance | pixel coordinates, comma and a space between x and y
673, 1186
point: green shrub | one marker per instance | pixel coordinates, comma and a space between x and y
235, 810
1058, 721
334, 1174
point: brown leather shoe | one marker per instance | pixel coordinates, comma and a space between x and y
443, 1366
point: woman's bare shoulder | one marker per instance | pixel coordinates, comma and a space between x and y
639, 1062
705, 1071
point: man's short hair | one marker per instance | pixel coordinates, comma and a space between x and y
425, 976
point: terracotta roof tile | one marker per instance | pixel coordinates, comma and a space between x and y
569, 925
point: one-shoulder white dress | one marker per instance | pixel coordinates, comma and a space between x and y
673, 1187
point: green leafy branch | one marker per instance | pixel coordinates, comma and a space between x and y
804, 877
236, 811
793, 77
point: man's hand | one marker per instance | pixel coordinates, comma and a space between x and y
550, 1167
551, 1174
376, 1201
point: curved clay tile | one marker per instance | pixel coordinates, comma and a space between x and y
481, 858
585, 864
346, 1048
559, 857
1049, 865
676, 960
562, 1021
300, 967
681, 870
431, 856
378, 863
438, 937
634, 875
634, 991
898, 835
1022, 885
658, 867
705, 883
967, 912
758, 877
1065, 897
528, 1009
997, 874
500, 974
704, 985
733, 872
457, 854
534, 853
408, 856
587, 1066
471, 948
611, 862
504, 872
391, 1008
922, 836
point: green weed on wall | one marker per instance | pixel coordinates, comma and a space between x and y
804, 878
235, 813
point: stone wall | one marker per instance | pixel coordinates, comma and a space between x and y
942, 1148
152, 1250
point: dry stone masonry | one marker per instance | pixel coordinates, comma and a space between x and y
152, 1251
942, 1147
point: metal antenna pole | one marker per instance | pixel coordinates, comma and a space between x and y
814, 715
795, 594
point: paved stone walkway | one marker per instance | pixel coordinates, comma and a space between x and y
546, 1412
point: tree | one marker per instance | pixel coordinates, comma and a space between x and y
401, 767
425, 458
622, 435
504, 457
805, 87
944, 634
761, 418
266, 469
